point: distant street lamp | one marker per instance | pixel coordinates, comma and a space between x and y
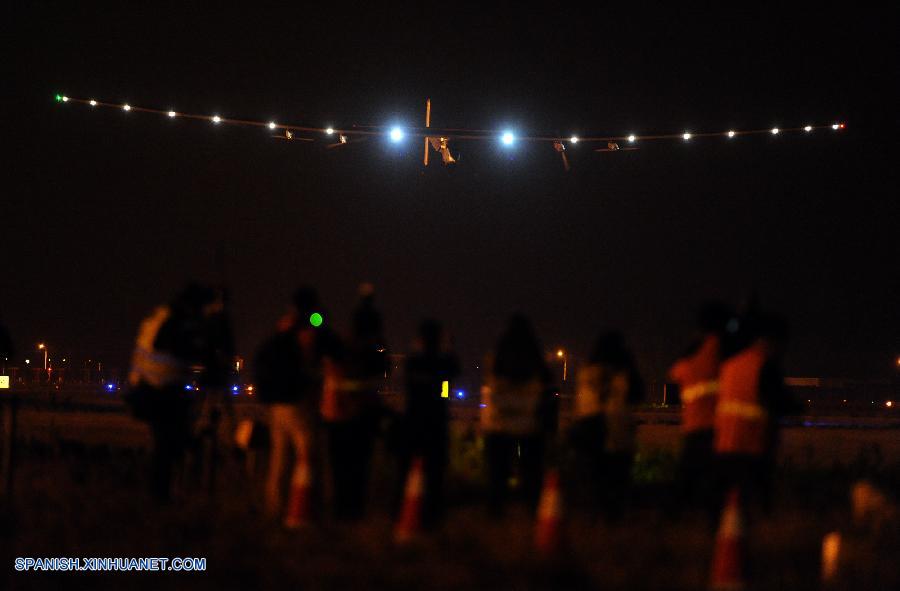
565, 358
43, 348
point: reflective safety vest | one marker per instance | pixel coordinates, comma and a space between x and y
697, 375
344, 398
511, 407
156, 368
740, 424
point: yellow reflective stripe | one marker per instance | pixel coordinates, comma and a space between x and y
747, 410
692, 393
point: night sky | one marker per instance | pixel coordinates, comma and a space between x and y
105, 214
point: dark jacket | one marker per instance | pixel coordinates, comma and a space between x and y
425, 374
285, 372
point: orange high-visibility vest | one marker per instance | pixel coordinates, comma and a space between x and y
740, 423
697, 375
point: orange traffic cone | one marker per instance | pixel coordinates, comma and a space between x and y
831, 551
728, 559
299, 506
548, 529
409, 524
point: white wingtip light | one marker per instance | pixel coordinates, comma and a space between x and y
835, 127
631, 138
730, 134
171, 113
574, 139
216, 119
687, 136
272, 125
92, 103
330, 131
775, 131
507, 138
808, 128
126, 107
396, 134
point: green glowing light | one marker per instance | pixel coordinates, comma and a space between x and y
316, 319
59, 98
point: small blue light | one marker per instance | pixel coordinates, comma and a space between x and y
235, 389
110, 387
482, 405
188, 387
460, 394
396, 134
507, 138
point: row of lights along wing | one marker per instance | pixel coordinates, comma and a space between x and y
507, 138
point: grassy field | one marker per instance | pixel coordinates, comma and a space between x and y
80, 491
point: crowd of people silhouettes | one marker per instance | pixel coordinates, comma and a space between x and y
325, 410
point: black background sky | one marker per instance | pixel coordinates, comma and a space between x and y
105, 214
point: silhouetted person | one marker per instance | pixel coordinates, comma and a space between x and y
7, 413
516, 383
427, 414
215, 385
603, 433
6, 347
350, 407
697, 374
289, 377
752, 399
170, 342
